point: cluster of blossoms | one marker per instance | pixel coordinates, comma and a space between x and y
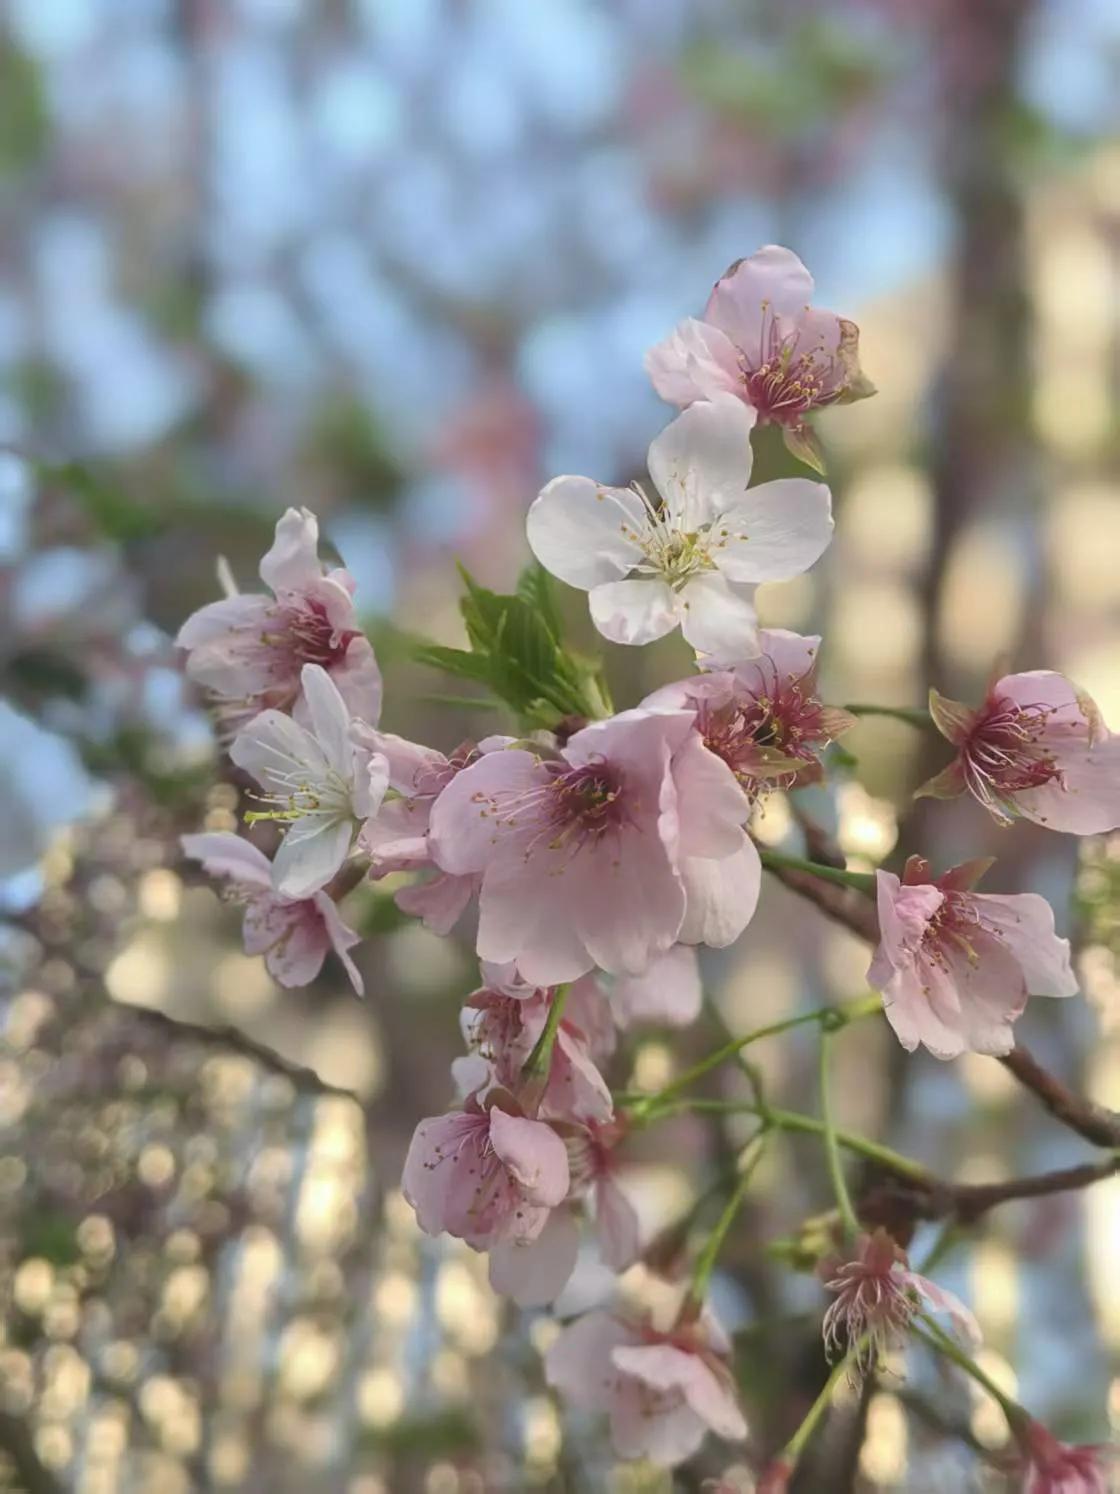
601, 855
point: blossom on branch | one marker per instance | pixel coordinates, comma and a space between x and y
249, 650
591, 858
663, 1392
761, 341
1055, 1467
1038, 748
294, 934
693, 555
955, 966
320, 783
877, 1295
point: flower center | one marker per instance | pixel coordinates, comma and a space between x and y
1005, 754
784, 715
586, 802
671, 553
954, 926
307, 636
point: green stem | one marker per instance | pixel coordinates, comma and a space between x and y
791, 1453
705, 1264
832, 1144
825, 1016
779, 861
937, 1339
539, 1059
911, 716
806, 1125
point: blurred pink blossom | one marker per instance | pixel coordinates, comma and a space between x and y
662, 1391
1059, 1467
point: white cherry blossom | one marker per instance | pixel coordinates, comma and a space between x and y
693, 555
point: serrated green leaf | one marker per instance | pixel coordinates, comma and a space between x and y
534, 587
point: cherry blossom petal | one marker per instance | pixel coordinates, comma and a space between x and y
439, 901
342, 937
296, 958
578, 1363
292, 563
701, 461
696, 361
1026, 923
664, 1367
535, 1272
776, 530
772, 282
329, 718
636, 611
616, 1225
583, 532
668, 994
719, 619
710, 803
214, 623
962, 1318
312, 851
721, 896
534, 1155
462, 828
224, 854
666, 1431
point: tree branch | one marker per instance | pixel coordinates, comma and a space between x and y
845, 906
903, 1200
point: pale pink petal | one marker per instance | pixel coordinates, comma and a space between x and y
224, 854
462, 832
775, 531
439, 901
701, 461
792, 655
584, 533
358, 679
311, 852
668, 994
962, 1318
627, 909
719, 619
721, 896
578, 1363
530, 920
293, 561
637, 611
616, 1225
772, 282
342, 937
666, 1434
696, 361
1026, 923
535, 1272
1086, 799
533, 1154
664, 1367
588, 1009
296, 959
711, 805
396, 838
411, 765
217, 619
576, 1090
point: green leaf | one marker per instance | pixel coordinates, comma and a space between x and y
455, 661
534, 587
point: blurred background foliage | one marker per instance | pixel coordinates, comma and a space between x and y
399, 260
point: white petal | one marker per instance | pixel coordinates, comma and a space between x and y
330, 718
226, 855
311, 852
293, 561
634, 611
719, 619
279, 753
701, 463
775, 531
582, 532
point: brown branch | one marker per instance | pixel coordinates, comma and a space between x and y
850, 908
899, 1202
233, 1040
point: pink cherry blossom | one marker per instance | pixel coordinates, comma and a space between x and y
956, 967
1037, 747
320, 783
485, 1174
502, 1023
294, 934
668, 994
249, 650
760, 341
764, 717
594, 1168
1055, 1467
663, 1392
694, 556
583, 856
877, 1295
396, 838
